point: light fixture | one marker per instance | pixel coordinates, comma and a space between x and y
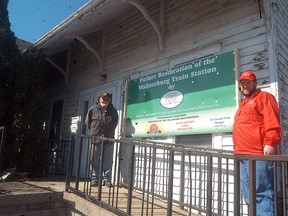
103, 77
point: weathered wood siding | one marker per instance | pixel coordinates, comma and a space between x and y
280, 29
192, 29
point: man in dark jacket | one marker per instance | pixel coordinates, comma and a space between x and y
101, 120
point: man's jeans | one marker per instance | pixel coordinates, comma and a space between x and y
107, 161
264, 186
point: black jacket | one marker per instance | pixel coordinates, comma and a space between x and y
102, 123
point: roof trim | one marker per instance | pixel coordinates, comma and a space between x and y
72, 19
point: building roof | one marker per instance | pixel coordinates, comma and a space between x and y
22, 44
94, 16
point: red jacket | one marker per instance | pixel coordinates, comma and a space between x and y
256, 123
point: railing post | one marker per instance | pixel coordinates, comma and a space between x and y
79, 164
69, 165
236, 186
209, 185
182, 180
252, 186
219, 192
170, 183
2, 145
88, 167
101, 170
145, 174
130, 183
153, 177
284, 186
276, 209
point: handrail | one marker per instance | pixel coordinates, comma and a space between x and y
191, 180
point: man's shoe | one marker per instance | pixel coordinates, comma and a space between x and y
94, 183
107, 183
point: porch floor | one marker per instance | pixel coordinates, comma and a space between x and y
27, 187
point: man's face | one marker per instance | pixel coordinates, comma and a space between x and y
104, 101
248, 87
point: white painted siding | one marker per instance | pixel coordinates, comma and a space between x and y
193, 29
280, 47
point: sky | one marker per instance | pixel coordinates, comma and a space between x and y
31, 19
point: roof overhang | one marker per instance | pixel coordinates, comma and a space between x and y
94, 16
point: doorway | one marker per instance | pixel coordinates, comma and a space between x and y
87, 99
56, 158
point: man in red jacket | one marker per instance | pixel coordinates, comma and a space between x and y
257, 131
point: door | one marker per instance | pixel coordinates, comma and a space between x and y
56, 148
87, 99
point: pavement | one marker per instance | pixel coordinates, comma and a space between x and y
53, 185
30, 192
29, 186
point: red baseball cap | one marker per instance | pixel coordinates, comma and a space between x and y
247, 75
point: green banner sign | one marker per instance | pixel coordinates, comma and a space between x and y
192, 98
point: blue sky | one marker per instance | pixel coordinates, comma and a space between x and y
31, 19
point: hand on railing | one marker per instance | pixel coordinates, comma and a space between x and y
268, 150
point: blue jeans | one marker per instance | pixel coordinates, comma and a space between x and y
107, 161
265, 203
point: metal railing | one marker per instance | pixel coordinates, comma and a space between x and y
2, 144
178, 179
57, 156
280, 163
